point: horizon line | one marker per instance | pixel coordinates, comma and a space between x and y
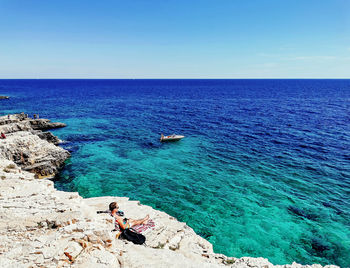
250, 78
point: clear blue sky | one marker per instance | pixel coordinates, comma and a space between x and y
175, 39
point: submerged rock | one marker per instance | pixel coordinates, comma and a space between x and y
302, 213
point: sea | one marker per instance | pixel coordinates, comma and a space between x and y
264, 169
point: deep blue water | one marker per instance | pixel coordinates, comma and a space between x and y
264, 169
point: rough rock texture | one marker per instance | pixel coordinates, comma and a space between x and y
29, 147
43, 227
44, 124
21, 122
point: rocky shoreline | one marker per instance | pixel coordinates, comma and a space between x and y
43, 227
31, 148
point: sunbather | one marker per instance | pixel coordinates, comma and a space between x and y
124, 222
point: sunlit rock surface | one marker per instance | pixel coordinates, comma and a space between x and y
31, 148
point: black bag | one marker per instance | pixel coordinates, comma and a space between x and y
133, 236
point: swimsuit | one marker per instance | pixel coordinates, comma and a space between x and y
118, 228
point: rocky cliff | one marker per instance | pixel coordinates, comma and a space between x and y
43, 227
29, 147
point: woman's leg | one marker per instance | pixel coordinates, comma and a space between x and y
138, 222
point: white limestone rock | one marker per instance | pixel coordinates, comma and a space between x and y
29, 147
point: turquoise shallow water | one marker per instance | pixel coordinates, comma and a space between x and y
264, 169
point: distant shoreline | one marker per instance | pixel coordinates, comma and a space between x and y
174, 78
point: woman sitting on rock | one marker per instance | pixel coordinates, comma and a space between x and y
124, 223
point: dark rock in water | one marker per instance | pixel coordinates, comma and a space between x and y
4, 97
83, 138
150, 145
327, 204
302, 213
205, 234
319, 245
70, 147
333, 206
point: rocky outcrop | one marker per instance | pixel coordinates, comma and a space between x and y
44, 124
17, 122
43, 227
31, 148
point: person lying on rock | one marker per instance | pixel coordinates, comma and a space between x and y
124, 223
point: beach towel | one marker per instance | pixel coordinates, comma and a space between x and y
141, 228
144, 228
